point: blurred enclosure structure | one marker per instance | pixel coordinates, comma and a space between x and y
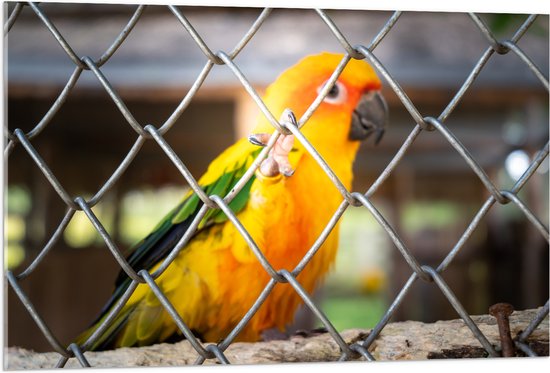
429, 199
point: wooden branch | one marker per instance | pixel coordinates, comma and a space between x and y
410, 340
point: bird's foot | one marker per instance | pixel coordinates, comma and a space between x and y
310, 333
277, 161
273, 334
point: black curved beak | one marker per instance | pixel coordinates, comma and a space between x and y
369, 117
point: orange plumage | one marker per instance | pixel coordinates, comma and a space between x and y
216, 278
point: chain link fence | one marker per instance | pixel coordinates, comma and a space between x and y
424, 126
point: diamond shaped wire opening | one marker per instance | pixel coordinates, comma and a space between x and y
425, 126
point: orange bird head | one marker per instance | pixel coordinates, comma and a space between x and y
353, 109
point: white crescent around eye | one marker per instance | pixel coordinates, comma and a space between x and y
337, 94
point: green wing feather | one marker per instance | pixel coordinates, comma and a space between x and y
161, 240
158, 244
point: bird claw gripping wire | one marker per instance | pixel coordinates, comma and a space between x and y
277, 161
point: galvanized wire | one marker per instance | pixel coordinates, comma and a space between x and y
423, 126
34, 314
57, 35
13, 17
543, 312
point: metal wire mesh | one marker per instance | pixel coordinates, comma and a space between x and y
424, 126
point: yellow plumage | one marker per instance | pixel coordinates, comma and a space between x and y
216, 278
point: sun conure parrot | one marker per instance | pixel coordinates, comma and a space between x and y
216, 278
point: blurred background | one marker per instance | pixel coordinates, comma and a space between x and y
429, 199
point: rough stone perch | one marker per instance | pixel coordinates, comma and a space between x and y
410, 340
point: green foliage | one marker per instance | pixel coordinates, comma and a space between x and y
17, 200
354, 312
502, 25
432, 214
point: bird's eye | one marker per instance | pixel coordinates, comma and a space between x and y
334, 91
336, 95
